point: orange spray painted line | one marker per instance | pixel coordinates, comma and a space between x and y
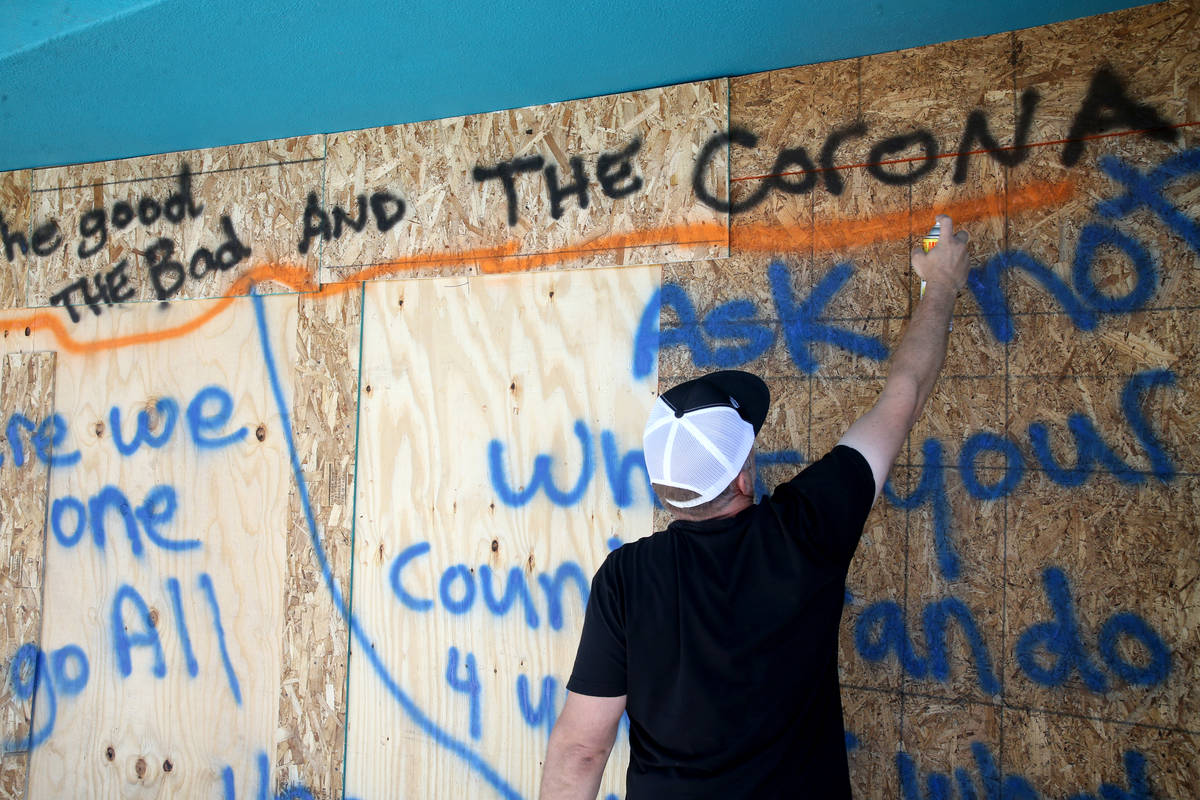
506, 258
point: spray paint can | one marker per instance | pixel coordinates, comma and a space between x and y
930, 239
928, 242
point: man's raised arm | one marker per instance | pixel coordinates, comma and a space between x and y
880, 433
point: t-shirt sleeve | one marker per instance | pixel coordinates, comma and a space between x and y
827, 504
600, 661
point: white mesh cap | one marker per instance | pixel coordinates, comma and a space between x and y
700, 432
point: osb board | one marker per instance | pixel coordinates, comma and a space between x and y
27, 389
1049, 345
977, 547
454, 371
1071, 755
175, 728
945, 739
260, 188
753, 312
14, 769
1134, 414
692, 291
872, 722
1108, 569
845, 213
827, 150
1151, 48
1152, 55
456, 224
312, 706
876, 574
918, 97
14, 214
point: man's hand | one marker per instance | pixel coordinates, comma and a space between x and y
946, 263
880, 433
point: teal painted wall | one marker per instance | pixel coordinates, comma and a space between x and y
111, 79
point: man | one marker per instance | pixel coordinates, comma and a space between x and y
719, 635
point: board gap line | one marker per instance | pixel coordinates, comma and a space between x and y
264, 165
349, 596
979, 469
1007, 288
433, 259
982, 151
871, 378
963, 700
965, 315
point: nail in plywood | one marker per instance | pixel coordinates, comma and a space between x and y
258, 188
27, 389
173, 728
462, 377
312, 706
454, 224
14, 214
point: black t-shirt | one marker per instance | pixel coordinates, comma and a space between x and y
723, 634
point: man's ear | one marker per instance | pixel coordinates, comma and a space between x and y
745, 485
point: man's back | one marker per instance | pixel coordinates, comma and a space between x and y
723, 635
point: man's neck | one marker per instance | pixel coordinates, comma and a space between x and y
736, 506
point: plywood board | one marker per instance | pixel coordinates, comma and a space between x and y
1092, 553
194, 584
312, 705
644, 212
945, 738
957, 579
1066, 756
876, 576
872, 722
460, 378
221, 213
26, 393
1147, 58
785, 113
14, 237
691, 340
